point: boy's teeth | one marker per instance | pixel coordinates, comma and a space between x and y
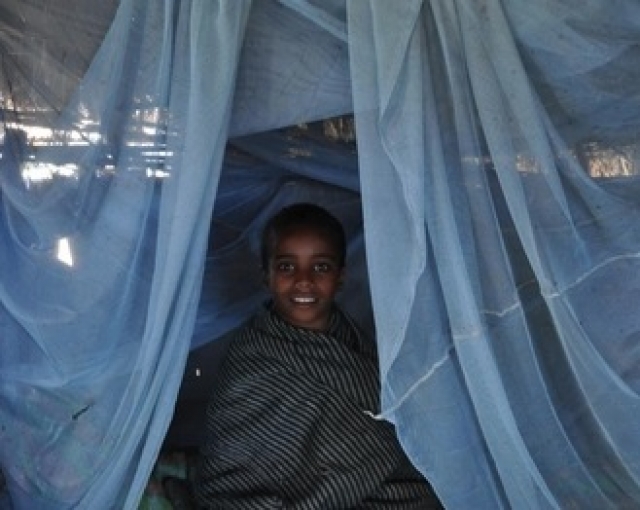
304, 300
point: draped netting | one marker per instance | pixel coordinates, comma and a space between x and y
495, 188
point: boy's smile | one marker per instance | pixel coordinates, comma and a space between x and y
303, 276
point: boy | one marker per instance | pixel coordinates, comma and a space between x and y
290, 424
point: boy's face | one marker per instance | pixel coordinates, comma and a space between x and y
303, 276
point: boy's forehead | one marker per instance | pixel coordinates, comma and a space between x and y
303, 230
305, 235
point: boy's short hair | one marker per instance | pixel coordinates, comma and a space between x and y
303, 215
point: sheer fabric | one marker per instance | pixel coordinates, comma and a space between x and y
102, 257
497, 170
509, 364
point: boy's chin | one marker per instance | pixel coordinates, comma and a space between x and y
311, 320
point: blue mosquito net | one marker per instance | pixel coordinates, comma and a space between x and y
483, 154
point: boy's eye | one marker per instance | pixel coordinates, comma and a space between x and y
322, 267
284, 267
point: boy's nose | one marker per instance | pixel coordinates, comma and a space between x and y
303, 284
303, 280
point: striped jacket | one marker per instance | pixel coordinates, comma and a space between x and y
291, 425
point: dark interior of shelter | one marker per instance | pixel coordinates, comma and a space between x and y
301, 141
